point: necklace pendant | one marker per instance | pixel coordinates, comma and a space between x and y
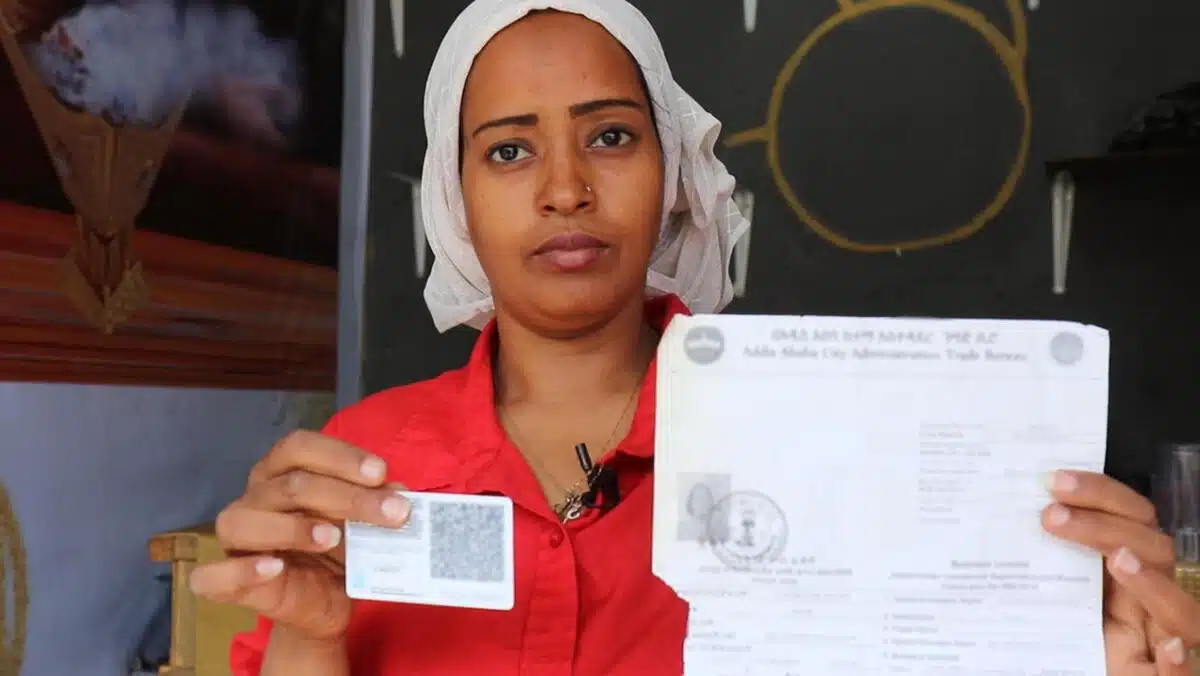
570, 508
572, 511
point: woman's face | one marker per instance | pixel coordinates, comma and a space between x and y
562, 173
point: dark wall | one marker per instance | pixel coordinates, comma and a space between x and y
901, 124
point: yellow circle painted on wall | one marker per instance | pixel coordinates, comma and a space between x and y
14, 590
1012, 54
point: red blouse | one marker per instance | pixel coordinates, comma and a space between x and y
586, 601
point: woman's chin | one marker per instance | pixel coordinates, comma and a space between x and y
582, 303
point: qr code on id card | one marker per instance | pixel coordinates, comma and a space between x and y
466, 542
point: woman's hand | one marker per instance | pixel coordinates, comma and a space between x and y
1150, 622
284, 535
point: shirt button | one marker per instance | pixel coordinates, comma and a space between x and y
556, 539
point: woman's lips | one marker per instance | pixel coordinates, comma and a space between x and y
571, 251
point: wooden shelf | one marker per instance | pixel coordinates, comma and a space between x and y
1160, 168
1172, 161
218, 317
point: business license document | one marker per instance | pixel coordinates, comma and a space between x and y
840, 497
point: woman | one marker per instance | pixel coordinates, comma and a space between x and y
561, 182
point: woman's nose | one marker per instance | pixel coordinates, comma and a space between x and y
565, 189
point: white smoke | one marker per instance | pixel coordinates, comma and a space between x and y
137, 61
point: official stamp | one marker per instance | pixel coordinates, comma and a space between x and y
746, 528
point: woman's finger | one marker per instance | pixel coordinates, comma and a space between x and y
282, 589
1089, 490
245, 529
1171, 658
1106, 533
328, 498
320, 454
1161, 643
235, 579
1165, 601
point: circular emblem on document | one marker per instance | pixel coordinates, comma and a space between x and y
747, 528
704, 344
1066, 348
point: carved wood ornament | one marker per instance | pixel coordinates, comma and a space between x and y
106, 172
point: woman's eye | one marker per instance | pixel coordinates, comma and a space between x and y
612, 138
507, 153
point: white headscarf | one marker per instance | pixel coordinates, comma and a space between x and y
700, 225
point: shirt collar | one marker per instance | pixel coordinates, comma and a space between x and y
483, 437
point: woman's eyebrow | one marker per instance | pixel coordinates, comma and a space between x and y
576, 110
589, 107
527, 120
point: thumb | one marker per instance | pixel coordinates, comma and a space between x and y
250, 581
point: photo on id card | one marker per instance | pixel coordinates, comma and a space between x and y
455, 550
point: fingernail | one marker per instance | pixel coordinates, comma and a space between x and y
268, 568
326, 535
1057, 515
1061, 482
1126, 562
395, 508
196, 584
373, 468
1174, 652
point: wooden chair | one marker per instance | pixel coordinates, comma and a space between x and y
200, 630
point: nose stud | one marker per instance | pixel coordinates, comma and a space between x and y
587, 188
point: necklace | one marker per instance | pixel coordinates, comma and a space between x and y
570, 507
